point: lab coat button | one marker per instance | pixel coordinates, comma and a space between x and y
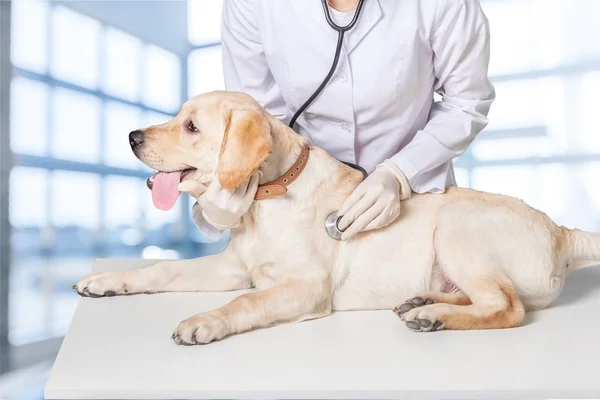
343, 77
346, 127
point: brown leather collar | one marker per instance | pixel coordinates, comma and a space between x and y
278, 187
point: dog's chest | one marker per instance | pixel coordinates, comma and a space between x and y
280, 240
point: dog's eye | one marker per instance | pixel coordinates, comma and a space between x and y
191, 127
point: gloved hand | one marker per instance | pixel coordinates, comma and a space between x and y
224, 208
375, 203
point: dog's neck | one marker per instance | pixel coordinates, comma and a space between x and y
321, 170
324, 181
287, 145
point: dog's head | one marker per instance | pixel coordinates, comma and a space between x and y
223, 135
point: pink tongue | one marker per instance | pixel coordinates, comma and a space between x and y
164, 189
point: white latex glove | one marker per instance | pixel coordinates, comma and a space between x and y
375, 203
224, 208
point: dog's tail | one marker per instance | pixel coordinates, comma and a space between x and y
583, 248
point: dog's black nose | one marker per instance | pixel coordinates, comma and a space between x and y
136, 139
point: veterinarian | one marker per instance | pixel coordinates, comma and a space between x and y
377, 111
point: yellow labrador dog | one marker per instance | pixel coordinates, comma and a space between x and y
460, 260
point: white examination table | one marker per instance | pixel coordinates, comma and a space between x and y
121, 348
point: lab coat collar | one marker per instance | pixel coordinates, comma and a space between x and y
369, 17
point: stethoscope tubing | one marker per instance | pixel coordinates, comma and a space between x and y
341, 30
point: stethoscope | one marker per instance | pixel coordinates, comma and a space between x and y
331, 222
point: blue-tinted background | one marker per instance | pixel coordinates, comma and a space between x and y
85, 73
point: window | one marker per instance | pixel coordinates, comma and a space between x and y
525, 35
162, 83
590, 92
122, 64
75, 126
77, 190
205, 71
29, 110
75, 200
155, 118
534, 184
542, 144
204, 21
123, 224
75, 41
28, 198
29, 31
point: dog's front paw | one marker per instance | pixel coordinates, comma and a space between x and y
199, 329
102, 285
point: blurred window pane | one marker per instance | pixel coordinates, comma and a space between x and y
75, 199
28, 197
154, 118
581, 30
29, 26
590, 98
162, 80
462, 177
563, 191
120, 120
26, 301
585, 212
122, 64
122, 204
204, 21
75, 47
525, 35
527, 103
29, 116
205, 70
521, 105
75, 128
507, 149
535, 184
541, 34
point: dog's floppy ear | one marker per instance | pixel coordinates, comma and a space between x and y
246, 144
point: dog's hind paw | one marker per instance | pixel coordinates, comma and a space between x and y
415, 313
424, 325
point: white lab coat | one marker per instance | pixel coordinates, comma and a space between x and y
379, 103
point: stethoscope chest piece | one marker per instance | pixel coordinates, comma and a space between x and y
331, 226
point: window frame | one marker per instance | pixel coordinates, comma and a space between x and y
469, 162
5, 168
19, 356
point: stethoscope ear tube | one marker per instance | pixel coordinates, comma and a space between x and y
338, 50
317, 92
